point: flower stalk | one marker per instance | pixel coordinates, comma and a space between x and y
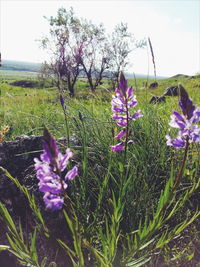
178, 177
188, 133
62, 102
49, 170
122, 102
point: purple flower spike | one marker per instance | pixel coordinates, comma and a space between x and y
188, 131
122, 102
123, 84
49, 172
185, 103
50, 153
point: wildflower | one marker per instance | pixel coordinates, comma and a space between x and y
49, 172
189, 132
123, 100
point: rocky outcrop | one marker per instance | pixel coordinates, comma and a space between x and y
157, 99
153, 85
171, 91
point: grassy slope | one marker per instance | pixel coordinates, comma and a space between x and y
16, 75
17, 112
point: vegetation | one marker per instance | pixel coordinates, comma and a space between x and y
80, 48
121, 213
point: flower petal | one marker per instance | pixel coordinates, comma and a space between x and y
53, 202
117, 148
72, 173
120, 134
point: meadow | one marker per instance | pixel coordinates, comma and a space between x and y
124, 212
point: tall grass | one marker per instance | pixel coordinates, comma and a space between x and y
122, 214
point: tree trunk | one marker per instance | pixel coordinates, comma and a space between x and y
71, 89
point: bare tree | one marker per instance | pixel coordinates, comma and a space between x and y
65, 47
122, 43
78, 46
95, 57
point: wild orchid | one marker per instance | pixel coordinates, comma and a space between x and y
49, 171
122, 102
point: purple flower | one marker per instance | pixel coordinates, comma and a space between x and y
72, 173
53, 202
49, 172
177, 142
122, 102
117, 148
120, 134
188, 130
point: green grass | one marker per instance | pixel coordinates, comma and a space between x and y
26, 110
124, 212
16, 75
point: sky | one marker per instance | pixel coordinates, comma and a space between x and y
173, 27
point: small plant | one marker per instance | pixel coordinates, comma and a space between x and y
49, 172
122, 103
189, 132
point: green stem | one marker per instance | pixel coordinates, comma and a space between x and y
60, 90
127, 130
67, 126
178, 177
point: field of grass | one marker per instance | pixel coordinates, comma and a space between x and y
125, 213
16, 75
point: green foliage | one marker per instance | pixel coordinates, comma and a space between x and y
117, 214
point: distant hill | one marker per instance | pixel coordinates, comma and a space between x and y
131, 76
35, 67
20, 66
179, 76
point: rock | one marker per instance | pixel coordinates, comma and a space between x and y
171, 91
157, 99
153, 85
17, 155
25, 83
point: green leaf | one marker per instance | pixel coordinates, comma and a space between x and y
121, 167
33, 250
139, 262
4, 247
5, 214
43, 262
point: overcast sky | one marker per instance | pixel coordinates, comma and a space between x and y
173, 27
